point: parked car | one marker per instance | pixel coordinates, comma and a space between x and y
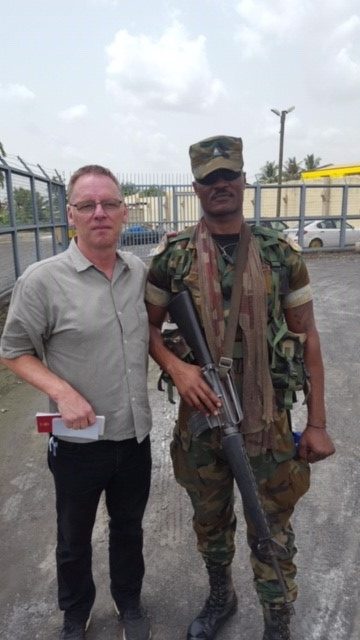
139, 234
325, 233
278, 225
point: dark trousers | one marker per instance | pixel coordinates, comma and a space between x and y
81, 472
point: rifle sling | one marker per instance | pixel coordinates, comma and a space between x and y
226, 359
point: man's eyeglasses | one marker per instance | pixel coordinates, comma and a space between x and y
89, 207
220, 174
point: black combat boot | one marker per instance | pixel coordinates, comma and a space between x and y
219, 606
277, 623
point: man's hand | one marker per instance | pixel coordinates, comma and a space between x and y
193, 388
75, 411
315, 445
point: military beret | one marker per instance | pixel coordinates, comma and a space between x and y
218, 152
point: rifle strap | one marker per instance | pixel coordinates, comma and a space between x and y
226, 360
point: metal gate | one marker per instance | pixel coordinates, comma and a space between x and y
33, 221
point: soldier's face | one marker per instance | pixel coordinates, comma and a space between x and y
223, 194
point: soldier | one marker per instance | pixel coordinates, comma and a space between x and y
276, 301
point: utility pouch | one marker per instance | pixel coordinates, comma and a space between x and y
287, 367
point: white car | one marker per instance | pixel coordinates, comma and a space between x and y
324, 233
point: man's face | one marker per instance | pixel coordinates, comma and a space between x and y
99, 228
221, 193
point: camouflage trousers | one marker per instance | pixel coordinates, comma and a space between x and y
202, 470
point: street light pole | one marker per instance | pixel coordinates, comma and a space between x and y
282, 115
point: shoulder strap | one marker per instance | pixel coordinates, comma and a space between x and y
232, 323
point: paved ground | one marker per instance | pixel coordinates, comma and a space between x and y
327, 520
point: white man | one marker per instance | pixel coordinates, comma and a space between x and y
77, 329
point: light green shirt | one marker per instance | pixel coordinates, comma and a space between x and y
90, 331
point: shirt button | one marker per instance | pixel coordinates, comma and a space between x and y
133, 399
129, 370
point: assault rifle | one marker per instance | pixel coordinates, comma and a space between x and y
228, 420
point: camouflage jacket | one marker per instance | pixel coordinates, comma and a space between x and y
287, 284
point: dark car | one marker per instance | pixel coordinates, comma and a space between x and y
139, 234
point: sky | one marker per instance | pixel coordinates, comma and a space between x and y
131, 84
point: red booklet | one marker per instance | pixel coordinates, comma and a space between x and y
44, 421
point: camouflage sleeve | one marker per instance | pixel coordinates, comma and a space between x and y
158, 286
299, 282
156, 296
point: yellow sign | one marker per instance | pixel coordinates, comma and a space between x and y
339, 171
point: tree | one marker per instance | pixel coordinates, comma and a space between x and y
129, 189
269, 173
24, 206
292, 169
151, 191
310, 162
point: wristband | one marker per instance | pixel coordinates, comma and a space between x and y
315, 426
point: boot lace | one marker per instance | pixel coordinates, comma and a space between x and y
216, 603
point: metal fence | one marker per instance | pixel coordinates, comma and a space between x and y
175, 206
33, 221
168, 207
32, 218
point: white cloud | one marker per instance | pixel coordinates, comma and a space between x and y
77, 112
263, 24
142, 136
171, 72
339, 65
16, 92
277, 19
348, 27
251, 41
321, 46
303, 26
347, 72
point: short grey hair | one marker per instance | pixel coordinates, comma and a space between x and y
94, 169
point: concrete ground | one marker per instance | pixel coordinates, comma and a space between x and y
327, 520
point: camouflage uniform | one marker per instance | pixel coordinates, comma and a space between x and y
199, 463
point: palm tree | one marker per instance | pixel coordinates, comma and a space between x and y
292, 169
310, 162
269, 173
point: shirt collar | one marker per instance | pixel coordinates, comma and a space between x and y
81, 263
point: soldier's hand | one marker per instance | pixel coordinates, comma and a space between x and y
193, 388
315, 445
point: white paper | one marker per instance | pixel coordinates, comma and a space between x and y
90, 433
